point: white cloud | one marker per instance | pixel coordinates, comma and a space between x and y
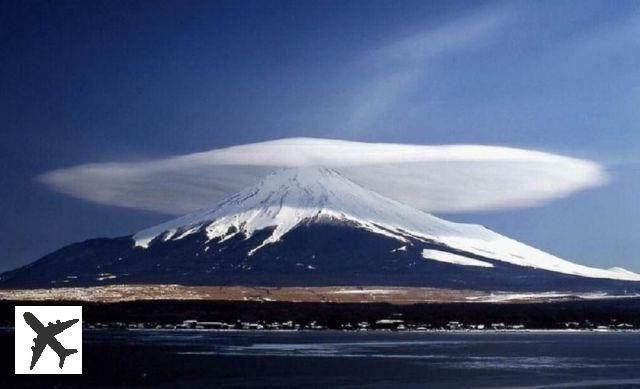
460, 34
444, 178
398, 66
379, 98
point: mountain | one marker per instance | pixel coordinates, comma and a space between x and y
312, 226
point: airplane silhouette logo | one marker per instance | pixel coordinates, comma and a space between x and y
46, 336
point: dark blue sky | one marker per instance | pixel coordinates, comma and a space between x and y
123, 80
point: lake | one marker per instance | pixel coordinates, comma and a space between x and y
201, 358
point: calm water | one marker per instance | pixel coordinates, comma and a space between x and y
355, 359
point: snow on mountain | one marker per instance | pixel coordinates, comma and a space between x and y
290, 197
443, 256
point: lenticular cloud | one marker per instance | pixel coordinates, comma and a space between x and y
446, 178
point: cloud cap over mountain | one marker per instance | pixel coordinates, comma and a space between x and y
434, 178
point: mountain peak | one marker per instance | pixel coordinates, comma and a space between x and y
288, 198
284, 199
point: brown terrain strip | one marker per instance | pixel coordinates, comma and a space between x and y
334, 294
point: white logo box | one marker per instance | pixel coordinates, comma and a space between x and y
69, 338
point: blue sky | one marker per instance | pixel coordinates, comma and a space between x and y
128, 81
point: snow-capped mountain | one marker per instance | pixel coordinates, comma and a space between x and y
290, 197
312, 226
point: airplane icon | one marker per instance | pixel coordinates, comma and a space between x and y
47, 337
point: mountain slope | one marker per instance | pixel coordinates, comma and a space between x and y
314, 227
289, 197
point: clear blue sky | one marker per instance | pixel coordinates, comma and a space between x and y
124, 80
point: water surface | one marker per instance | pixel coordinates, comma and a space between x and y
354, 359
